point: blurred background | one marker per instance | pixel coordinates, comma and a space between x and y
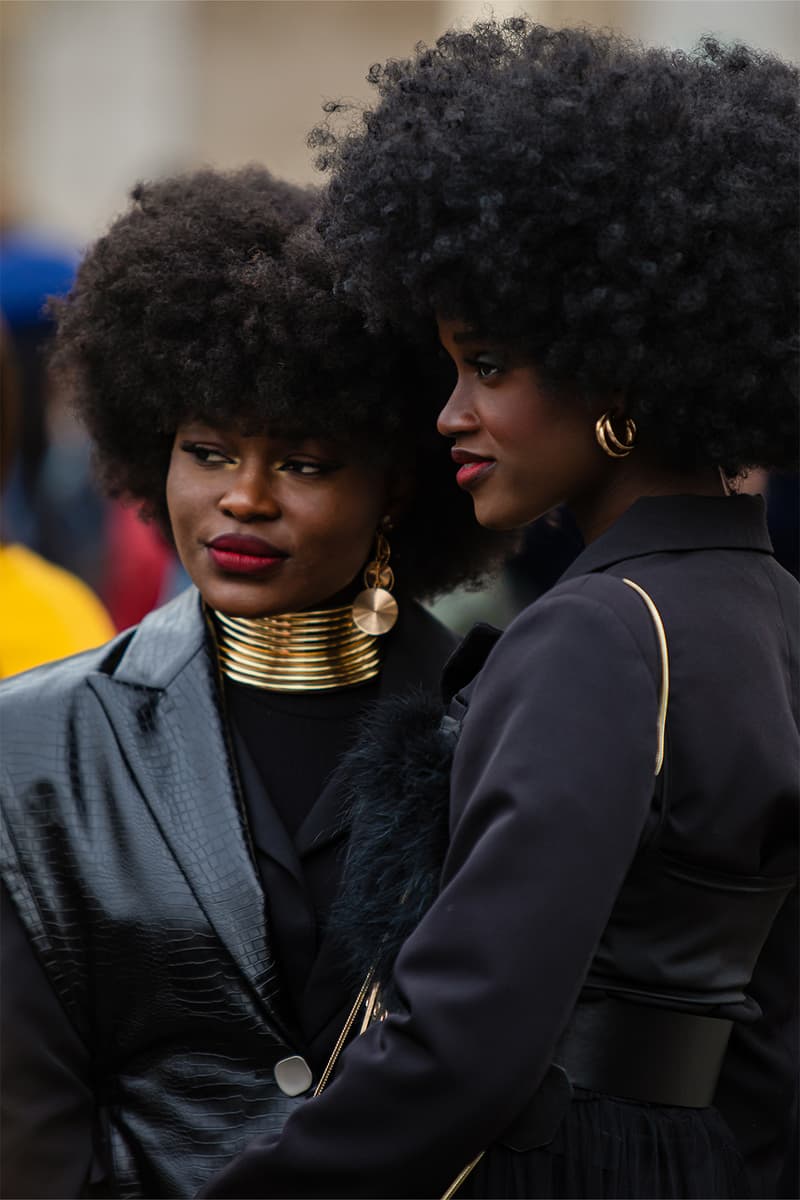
96, 94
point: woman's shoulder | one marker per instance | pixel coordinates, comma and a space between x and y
51, 687
590, 637
588, 609
47, 688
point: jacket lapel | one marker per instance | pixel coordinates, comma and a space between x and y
163, 703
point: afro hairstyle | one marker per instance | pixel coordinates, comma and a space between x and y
211, 299
626, 216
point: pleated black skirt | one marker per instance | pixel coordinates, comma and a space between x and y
608, 1148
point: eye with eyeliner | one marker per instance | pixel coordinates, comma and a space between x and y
305, 468
207, 456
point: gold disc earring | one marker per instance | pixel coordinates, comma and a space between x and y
375, 609
608, 440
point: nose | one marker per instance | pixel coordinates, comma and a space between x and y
458, 415
249, 494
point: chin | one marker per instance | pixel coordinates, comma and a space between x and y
231, 605
501, 521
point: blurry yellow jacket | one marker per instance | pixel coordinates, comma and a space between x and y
45, 612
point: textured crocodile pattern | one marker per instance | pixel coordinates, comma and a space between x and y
125, 851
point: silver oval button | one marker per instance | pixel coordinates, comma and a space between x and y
293, 1075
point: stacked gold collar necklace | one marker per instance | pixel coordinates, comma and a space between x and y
297, 652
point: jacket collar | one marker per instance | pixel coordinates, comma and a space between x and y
165, 641
658, 524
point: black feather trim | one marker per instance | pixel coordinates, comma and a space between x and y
397, 783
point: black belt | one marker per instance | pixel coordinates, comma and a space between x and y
631, 1051
641, 1052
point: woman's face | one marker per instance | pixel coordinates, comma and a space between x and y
519, 450
265, 525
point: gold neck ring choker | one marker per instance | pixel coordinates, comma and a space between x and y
297, 652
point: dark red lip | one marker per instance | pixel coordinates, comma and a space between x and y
239, 554
240, 543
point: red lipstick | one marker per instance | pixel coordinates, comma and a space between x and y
473, 466
239, 554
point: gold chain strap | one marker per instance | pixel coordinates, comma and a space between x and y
342, 1038
369, 992
462, 1177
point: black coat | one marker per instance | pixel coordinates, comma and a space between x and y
139, 1040
565, 873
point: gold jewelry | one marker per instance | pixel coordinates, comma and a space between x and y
296, 652
375, 609
608, 440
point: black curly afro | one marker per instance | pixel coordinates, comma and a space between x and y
211, 299
628, 216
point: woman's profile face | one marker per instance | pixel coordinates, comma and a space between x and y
266, 525
519, 451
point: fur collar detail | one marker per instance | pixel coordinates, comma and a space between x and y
396, 780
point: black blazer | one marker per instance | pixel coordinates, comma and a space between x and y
142, 1010
562, 869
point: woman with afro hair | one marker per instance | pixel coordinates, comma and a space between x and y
173, 822
607, 237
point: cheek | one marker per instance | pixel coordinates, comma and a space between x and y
516, 422
185, 505
348, 535
541, 435
353, 533
174, 494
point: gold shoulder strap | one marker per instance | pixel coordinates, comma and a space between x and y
662, 645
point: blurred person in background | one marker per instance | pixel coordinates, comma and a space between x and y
173, 824
51, 500
601, 999
45, 611
33, 267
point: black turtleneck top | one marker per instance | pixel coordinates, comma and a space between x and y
296, 739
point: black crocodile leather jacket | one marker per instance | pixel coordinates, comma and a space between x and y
127, 856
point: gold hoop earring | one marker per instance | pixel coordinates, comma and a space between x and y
608, 440
375, 608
